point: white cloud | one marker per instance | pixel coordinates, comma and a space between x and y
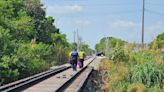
156, 27
124, 24
67, 9
82, 22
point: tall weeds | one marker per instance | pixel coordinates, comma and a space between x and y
143, 71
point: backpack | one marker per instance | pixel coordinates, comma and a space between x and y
74, 55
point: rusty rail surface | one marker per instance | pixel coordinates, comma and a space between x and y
29, 81
32, 80
70, 81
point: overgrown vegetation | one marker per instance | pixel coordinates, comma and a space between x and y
130, 70
29, 41
109, 41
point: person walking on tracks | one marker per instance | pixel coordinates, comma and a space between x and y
81, 58
73, 59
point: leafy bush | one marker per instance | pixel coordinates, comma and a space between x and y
6, 42
148, 73
160, 38
117, 54
158, 42
112, 43
60, 53
146, 56
7, 73
42, 51
25, 61
30, 59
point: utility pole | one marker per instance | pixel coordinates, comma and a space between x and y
80, 43
74, 36
77, 40
143, 17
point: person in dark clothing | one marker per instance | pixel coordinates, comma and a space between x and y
73, 59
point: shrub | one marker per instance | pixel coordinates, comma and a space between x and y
7, 72
146, 56
147, 73
117, 54
114, 75
136, 87
42, 52
132, 77
61, 54
25, 61
31, 60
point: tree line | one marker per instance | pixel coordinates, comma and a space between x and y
29, 41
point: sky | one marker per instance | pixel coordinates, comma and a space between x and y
95, 19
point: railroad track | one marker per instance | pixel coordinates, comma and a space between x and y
27, 84
68, 87
21, 84
77, 83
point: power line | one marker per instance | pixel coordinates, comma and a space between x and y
108, 5
154, 4
104, 13
114, 12
95, 14
100, 4
154, 12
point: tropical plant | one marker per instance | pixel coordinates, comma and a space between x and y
148, 73
118, 54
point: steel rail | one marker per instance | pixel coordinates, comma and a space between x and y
67, 83
27, 82
84, 81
